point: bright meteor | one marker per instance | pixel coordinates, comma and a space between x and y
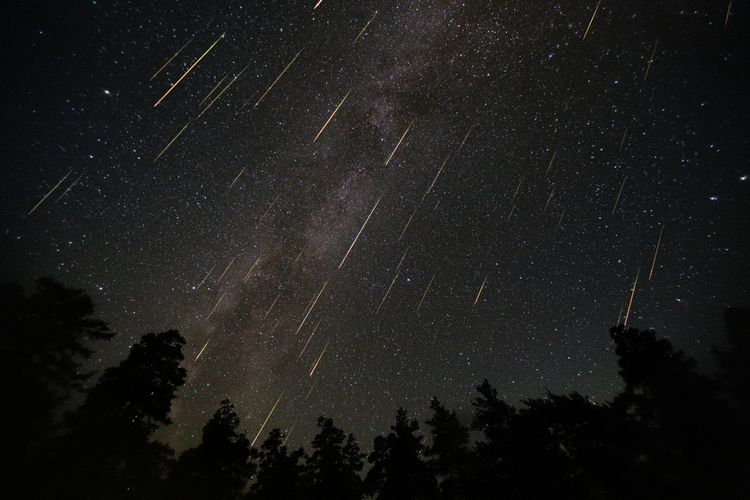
189, 70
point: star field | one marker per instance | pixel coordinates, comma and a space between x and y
522, 176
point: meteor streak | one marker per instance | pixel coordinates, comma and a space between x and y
278, 78
399, 143
69, 188
619, 193
363, 29
283, 443
189, 70
311, 389
440, 170
299, 255
215, 306
656, 252
317, 362
311, 308
332, 115
226, 269
204, 348
512, 209
268, 209
425, 292
238, 176
205, 277
729, 9
479, 293
359, 233
266, 420
548, 166
395, 277
630, 302
650, 60
622, 141
170, 60
549, 199
182, 130
466, 137
224, 89
213, 89
518, 189
49, 193
309, 339
270, 308
316, 5
592, 19
408, 222
559, 222
247, 276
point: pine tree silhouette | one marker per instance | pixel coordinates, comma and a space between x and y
280, 473
333, 467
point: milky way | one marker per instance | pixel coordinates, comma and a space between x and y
507, 169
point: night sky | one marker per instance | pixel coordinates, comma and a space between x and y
522, 159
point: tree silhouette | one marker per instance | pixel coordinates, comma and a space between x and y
449, 455
109, 452
334, 466
219, 467
280, 473
398, 471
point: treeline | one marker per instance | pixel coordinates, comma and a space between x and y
672, 432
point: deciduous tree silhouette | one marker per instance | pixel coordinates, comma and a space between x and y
398, 471
110, 452
280, 473
334, 466
219, 467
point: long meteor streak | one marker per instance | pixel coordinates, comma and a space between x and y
656, 252
238, 176
215, 306
479, 293
592, 19
271, 308
69, 188
266, 420
440, 170
550, 163
247, 276
311, 308
393, 281
317, 362
630, 302
204, 348
182, 130
49, 193
408, 222
278, 78
213, 89
619, 193
651, 60
399, 143
466, 137
360, 232
189, 70
549, 199
205, 277
170, 60
309, 339
332, 115
363, 29
226, 269
425, 293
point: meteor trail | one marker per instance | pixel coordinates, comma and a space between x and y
650, 60
268, 209
316, 5
69, 188
311, 389
226, 269
182, 130
363, 29
622, 141
309, 339
266, 420
520, 181
512, 209
299, 255
291, 429
395, 277
215, 306
466, 137
729, 9
270, 308
49, 193
559, 222
440, 170
399, 143
549, 199
238, 176
360, 232
170, 60
204, 348
408, 222
317, 362
425, 293
656, 252
479, 293
205, 277
548, 166
278, 78
224, 90
592, 19
630, 302
189, 70
311, 308
332, 115
213, 89
247, 276
619, 193
274, 328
